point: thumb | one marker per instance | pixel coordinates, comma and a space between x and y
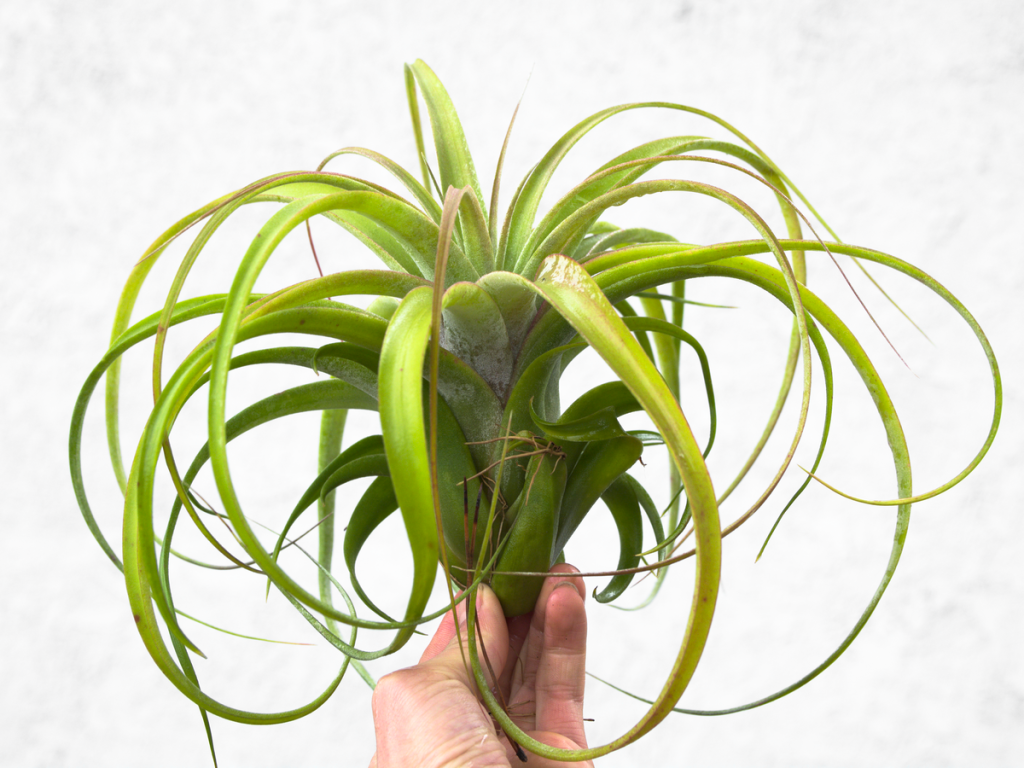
444, 651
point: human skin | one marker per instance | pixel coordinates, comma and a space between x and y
429, 715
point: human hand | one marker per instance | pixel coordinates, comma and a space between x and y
429, 715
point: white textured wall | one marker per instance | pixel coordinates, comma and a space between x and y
901, 120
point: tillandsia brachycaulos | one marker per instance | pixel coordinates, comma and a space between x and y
475, 319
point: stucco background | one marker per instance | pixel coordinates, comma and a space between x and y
902, 122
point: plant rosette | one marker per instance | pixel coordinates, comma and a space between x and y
476, 319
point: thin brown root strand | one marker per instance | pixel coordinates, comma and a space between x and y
540, 448
312, 247
498, 439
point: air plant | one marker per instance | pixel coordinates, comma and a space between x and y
476, 319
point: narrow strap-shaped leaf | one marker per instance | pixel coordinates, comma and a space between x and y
668, 350
173, 397
362, 459
328, 182
420, 192
144, 329
795, 232
535, 184
562, 235
628, 167
631, 236
122, 319
623, 504
523, 399
768, 278
826, 367
309, 185
139, 597
420, 232
178, 282
595, 231
402, 231
575, 296
352, 373
654, 518
611, 394
405, 442
677, 527
665, 348
673, 331
332, 363
329, 633
533, 190
786, 269
320, 395
394, 251
455, 463
531, 543
524, 209
598, 425
443, 481
618, 172
454, 160
638, 277
357, 461
624, 280
249, 269
476, 237
417, 126
471, 398
190, 672
374, 507
652, 260
503, 260
597, 468
492, 217
626, 310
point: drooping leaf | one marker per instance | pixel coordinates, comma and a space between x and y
625, 508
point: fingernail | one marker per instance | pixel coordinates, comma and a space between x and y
561, 584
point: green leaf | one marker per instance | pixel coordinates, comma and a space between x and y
666, 328
629, 276
528, 201
144, 329
474, 331
139, 597
417, 126
600, 464
405, 440
575, 296
599, 425
647, 437
625, 508
535, 520
374, 507
651, 511
419, 191
453, 157
364, 458
332, 429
